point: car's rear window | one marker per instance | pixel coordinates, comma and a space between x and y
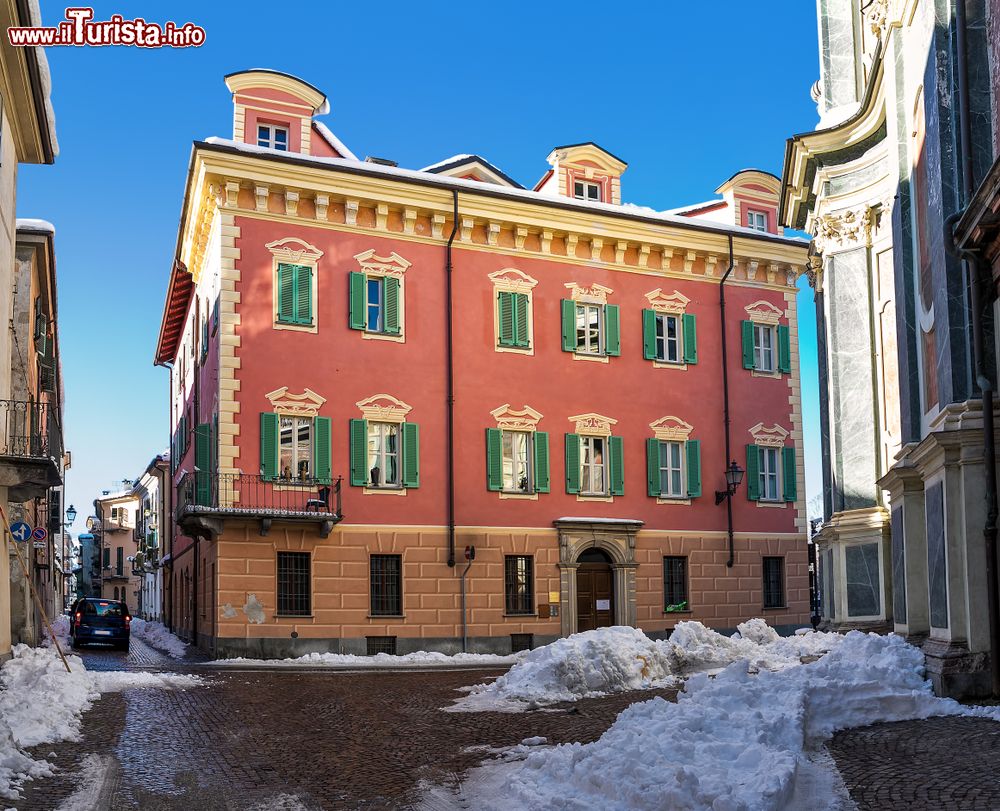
104, 608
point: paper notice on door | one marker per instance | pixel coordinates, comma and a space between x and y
604, 605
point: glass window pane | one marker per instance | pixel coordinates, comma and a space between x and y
286, 460
578, 190
303, 447
374, 453
280, 135
391, 454
374, 288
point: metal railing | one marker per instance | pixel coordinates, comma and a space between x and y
249, 494
29, 430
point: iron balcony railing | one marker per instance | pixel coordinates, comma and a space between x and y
254, 495
29, 430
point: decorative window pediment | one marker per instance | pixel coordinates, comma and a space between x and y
593, 424
671, 429
509, 419
763, 312
513, 280
391, 265
595, 294
674, 303
773, 437
306, 404
384, 408
294, 251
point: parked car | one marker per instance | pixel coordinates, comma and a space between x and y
100, 621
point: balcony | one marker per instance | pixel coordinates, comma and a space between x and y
206, 500
30, 449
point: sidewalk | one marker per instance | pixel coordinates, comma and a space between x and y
951, 762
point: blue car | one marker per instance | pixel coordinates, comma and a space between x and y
96, 620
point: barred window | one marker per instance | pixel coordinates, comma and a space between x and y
519, 586
386, 585
675, 587
774, 582
294, 587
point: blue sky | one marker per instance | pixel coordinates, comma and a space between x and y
687, 93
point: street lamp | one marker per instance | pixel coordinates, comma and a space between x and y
734, 477
71, 514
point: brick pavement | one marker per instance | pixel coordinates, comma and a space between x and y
334, 740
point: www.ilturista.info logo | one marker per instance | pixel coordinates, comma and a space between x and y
79, 29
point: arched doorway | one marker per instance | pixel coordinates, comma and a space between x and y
595, 592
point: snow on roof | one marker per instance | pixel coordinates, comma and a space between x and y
523, 194
45, 77
41, 226
695, 207
446, 161
587, 520
333, 140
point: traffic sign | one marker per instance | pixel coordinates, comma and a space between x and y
20, 531
39, 533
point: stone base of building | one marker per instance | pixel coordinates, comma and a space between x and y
955, 672
872, 627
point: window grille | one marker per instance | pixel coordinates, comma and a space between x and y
386, 585
294, 592
519, 586
675, 590
774, 582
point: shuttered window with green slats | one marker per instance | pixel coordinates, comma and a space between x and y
294, 294
384, 454
673, 469
375, 303
595, 465
591, 329
766, 348
772, 473
512, 319
203, 464
669, 338
295, 449
517, 461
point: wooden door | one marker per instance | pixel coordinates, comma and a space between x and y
595, 605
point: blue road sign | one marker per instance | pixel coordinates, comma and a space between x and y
20, 531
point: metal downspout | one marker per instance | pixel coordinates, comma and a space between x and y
725, 394
451, 381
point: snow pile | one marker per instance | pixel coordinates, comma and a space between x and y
591, 663
41, 703
733, 741
157, 635
380, 661
613, 660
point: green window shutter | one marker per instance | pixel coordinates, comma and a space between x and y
653, 464
356, 299
322, 451
391, 293
572, 462
617, 454
494, 459
286, 293
789, 473
694, 467
753, 473
690, 338
204, 340
747, 332
411, 454
505, 314
359, 453
568, 325
303, 295
649, 335
203, 463
520, 319
215, 443
269, 445
612, 330
541, 444
784, 349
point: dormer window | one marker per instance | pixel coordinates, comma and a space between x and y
585, 190
272, 136
757, 220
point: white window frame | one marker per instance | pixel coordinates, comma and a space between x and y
297, 423
584, 188
382, 429
759, 349
380, 305
757, 220
669, 468
664, 343
511, 458
271, 140
769, 473
589, 466
589, 348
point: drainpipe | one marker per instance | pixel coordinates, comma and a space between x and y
448, 267
725, 394
977, 275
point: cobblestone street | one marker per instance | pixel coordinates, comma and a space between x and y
248, 738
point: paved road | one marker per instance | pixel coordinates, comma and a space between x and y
252, 739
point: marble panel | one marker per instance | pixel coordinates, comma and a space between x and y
863, 591
838, 66
898, 566
937, 574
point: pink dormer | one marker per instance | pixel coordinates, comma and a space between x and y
749, 199
275, 110
584, 172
